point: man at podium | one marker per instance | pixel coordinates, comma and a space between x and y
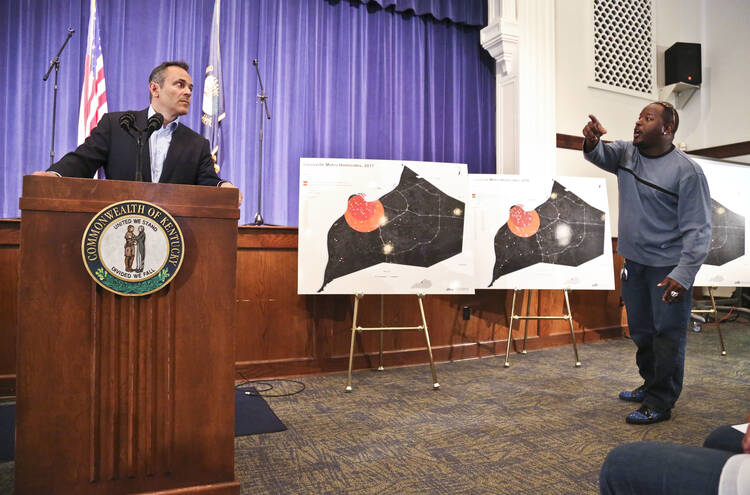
173, 154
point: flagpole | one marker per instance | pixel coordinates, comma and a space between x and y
55, 63
262, 97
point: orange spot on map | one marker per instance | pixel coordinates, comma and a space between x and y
364, 216
523, 223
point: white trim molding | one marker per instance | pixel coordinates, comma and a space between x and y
537, 104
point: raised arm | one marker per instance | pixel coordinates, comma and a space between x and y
592, 132
606, 156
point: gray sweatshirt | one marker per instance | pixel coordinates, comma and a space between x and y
666, 225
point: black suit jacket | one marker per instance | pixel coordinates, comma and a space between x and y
188, 160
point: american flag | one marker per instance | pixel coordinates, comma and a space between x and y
93, 93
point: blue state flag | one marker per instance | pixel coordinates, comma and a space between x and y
213, 91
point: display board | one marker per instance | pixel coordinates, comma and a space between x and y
384, 227
728, 261
541, 233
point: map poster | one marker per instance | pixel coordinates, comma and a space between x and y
728, 261
541, 233
384, 227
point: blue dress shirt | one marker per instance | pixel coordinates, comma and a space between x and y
158, 145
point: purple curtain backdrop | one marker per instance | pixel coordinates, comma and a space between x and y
344, 79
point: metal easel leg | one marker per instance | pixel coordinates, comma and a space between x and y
526, 322
348, 388
435, 384
382, 324
716, 318
569, 317
510, 327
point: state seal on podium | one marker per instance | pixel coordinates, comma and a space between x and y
132, 248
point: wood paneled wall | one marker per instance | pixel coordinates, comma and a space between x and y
10, 239
280, 333
726, 151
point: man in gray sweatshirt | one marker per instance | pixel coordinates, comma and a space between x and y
664, 235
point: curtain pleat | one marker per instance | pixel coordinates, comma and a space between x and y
471, 12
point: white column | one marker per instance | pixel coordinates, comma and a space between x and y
536, 108
500, 39
520, 35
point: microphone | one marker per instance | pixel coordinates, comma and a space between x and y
127, 121
154, 123
255, 62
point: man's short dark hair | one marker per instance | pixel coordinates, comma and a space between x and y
157, 75
669, 115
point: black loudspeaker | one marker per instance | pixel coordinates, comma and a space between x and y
682, 63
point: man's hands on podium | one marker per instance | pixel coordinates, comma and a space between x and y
229, 184
591, 133
44, 172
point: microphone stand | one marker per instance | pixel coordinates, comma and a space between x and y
55, 63
262, 97
141, 137
139, 142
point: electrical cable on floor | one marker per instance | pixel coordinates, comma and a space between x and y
247, 384
721, 320
733, 314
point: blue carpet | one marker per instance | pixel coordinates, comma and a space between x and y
252, 416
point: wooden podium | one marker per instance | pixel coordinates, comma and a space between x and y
123, 394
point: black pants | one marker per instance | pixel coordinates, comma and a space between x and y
659, 330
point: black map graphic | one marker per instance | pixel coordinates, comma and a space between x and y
570, 232
417, 225
727, 235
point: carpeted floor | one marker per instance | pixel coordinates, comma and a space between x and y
538, 427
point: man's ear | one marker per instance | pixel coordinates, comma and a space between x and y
668, 129
153, 88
